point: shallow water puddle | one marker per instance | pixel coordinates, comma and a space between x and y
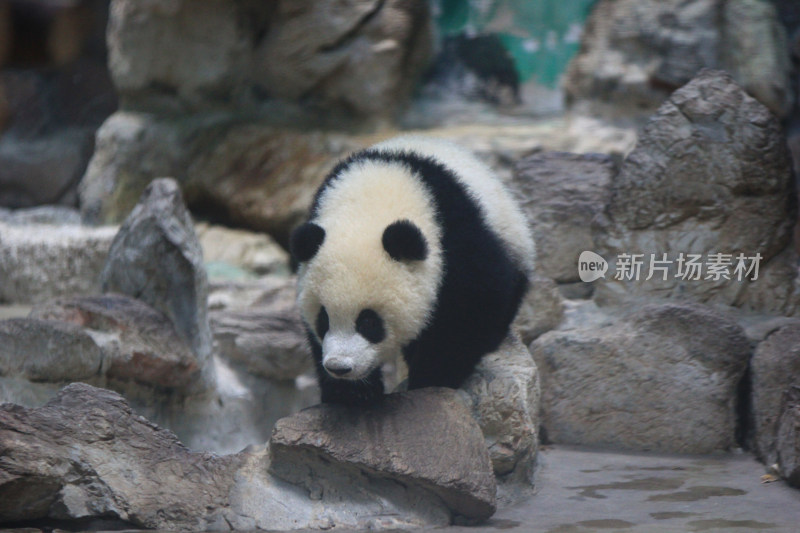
693, 494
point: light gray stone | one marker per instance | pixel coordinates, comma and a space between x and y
138, 343
254, 252
635, 53
268, 341
253, 175
710, 174
271, 291
42, 261
562, 193
48, 351
424, 438
774, 368
503, 394
339, 59
156, 258
541, 310
660, 378
102, 460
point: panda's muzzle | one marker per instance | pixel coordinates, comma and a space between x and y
347, 356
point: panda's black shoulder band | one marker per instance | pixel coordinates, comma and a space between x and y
404, 241
305, 241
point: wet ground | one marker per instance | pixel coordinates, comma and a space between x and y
580, 490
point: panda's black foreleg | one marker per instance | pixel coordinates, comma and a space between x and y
345, 391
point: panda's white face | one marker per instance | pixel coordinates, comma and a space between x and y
352, 350
363, 298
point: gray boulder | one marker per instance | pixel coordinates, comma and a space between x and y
338, 59
541, 310
774, 368
635, 53
267, 341
42, 350
157, 259
85, 456
503, 395
710, 174
137, 342
107, 340
43, 261
424, 438
788, 437
663, 378
256, 176
255, 253
562, 193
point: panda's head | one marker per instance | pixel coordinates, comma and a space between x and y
370, 267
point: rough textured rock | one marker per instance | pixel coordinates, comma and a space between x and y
86, 456
264, 178
251, 175
138, 343
42, 261
269, 291
354, 58
634, 53
42, 350
119, 343
788, 437
425, 437
562, 193
503, 394
774, 368
156, 258
254, 252
103, 461
95, 339
269, 341
541, 310
664, 378
710, 174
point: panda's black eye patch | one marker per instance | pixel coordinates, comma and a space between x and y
403, 241
369, 325
322, 322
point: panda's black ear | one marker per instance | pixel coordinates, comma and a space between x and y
305, 241
404, 241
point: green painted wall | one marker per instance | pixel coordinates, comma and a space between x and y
540, 35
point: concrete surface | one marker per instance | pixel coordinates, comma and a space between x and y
580, 490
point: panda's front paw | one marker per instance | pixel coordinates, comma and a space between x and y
352, 392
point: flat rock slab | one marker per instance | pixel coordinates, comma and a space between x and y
425, 437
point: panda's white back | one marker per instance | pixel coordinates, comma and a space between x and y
502, 213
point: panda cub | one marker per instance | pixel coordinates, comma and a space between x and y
412, 247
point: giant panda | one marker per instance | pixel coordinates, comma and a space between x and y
411, 247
